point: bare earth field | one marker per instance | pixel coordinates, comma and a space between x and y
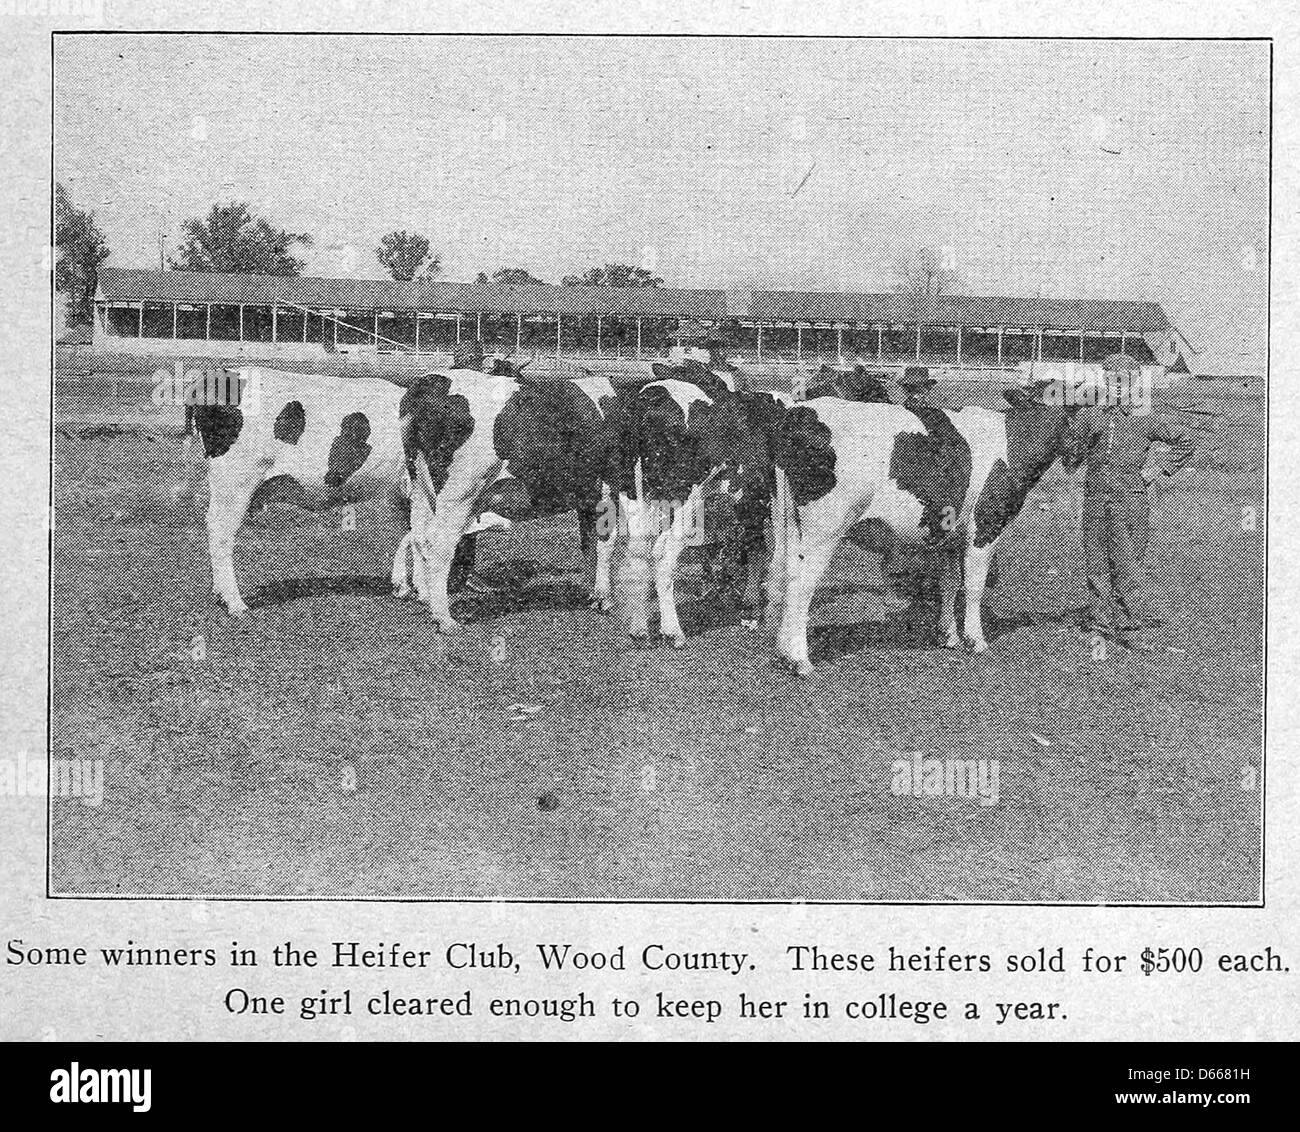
333, 745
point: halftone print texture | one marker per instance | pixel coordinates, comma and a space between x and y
811, 469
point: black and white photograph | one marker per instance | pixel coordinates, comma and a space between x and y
658, 468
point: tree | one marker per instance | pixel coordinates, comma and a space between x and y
81, 249
404, 253
615, 275
923, 272
509, 275
232, 239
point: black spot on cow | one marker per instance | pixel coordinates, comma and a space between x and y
806, 454
349, 450
291, 423
934, 466
672, 454
998, 504
1035, 438
219, 426
436, 422
215, 397
552, 437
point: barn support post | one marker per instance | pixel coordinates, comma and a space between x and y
1038, 346
999, 346
839, 345
880, 343
376, 335
1123, 342
559, 324
918, 341
1081, 347
458, 328
478, 325
519, 332
306, 314
759, 328
798, 342
140, 323
959, 346
598, 336
173, 322
207, 322
638, 336
241, 322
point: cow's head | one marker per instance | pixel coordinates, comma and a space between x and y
1037, 429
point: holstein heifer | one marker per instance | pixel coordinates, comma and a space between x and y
691, 443
328, 441
521, 449
947, 483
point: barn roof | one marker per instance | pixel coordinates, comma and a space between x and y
133, 285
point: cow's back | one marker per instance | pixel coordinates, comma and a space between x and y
326, 431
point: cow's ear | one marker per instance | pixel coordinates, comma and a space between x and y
1016, 397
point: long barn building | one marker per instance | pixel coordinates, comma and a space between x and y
270, 317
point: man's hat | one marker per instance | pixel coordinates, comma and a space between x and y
916, 377
467, 355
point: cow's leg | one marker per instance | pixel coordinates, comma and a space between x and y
810, 546
605, 528
436, 540
230, 490
405, 584
462, 562
634, 572
667, 550
977, 570
401, 560
949, 583
776, 570
754, 553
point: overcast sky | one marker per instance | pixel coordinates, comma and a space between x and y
1072, 169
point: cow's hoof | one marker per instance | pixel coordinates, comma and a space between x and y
601, 604
640, 640
978, 646
802, 668
954, 641
238, 610
677, 640
448, 626
403, 593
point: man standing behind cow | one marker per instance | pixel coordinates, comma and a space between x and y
1113, 438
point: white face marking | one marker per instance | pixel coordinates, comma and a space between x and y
684, 393
595, 386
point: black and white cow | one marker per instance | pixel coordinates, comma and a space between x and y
518, 448
949, 483
692, 445
337, 440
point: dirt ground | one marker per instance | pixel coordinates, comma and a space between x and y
333, 745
